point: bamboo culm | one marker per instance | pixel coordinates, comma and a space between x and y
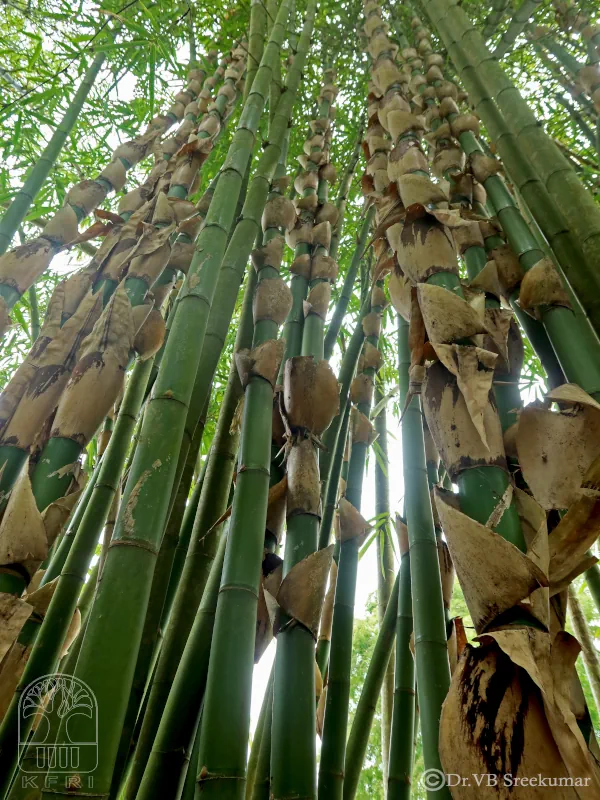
225, 721
360, 731
48, 644
17, 210
153, 470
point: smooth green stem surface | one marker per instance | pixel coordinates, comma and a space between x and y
166, 759
431, 652
592, 577
367, 704
348, 286
400, 764
262, 782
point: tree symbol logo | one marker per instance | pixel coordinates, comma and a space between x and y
54, 745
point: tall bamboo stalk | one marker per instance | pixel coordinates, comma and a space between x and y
385, 567
341, 307
266, 713
588, 650
198, 559
404, 717
152, 474
146, 664
431, 655
256, 41
262, 781
50, 637
495, 18
342, 198
307, 380
166, 759
331, 768
539, 170
225, 720
330, 496
17, 210
373, 685
331, 436
562, 326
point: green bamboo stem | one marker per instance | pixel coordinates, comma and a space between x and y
183, 541
86, 596
132, 556
17, 211
333, 479
189, 785
495, 18
238, 249
48, 643
266, 711
577, 118
262, 781
592, 576
567, 337
562, 55
225, 721
191, 38
541, 173
385, 567
520, 19
331, 767
342, 198
404, 717
222, 310
568, 84
256, 42
431, 653
150, 633
297, 340
276, 84
294, 707
198, 559
588, 650
348, 286
330, 437
166, 758
371, 688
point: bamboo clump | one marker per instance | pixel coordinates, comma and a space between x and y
201, 404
